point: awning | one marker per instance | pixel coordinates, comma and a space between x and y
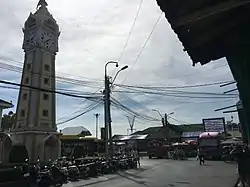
232, 141
179, 144
130, 137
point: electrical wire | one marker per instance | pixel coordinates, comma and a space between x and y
57, 77
179, 96
46, 90
8, 59
179, 121
172, 87
138, 115
89, 108
143, 47
129, 35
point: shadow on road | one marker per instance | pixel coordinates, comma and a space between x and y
128, 176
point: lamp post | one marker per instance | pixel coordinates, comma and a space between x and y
96, 124
107, 113
162, 118
167, 116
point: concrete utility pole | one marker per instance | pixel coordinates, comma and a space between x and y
107, 113
96, 124
106, 116
166, 119
109, 116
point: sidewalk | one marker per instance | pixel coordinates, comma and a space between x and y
92, 181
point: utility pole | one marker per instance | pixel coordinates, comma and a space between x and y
109, 117
166, 119
96, 124
106, 117
131, 124
107, 113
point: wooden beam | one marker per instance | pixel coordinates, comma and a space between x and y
230, 91
227, 84
219, 31
208, 11
216, 110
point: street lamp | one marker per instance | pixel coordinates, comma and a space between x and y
171, 113
123, 68
110, 62
107, 113
162, 118
154, 110
165, 118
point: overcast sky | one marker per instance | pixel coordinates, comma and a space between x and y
94, 32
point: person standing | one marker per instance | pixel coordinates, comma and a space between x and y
137, 157
200, 157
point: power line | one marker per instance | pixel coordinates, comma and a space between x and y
131, 30
171, 87
21, 63
57, 77
134, 90
178, 96
89, 108
79, 93
121, 106
139, 55
46, 90
179, 121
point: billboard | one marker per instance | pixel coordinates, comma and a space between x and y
214, 124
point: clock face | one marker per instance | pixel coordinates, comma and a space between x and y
30, 40
47, 40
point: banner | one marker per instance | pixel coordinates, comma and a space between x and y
214, 124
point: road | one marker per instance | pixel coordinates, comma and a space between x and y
164, 173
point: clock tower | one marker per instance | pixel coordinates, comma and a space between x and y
35, 125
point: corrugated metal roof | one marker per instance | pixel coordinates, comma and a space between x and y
79, 130
129, 137
191, 134
5, 104
194, 21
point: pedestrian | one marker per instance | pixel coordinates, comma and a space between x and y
137, 157
200, 157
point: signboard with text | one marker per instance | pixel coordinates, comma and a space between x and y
214, 124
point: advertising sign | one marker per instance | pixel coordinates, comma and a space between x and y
214, 124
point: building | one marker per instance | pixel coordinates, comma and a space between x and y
77, 142
207, 33
35, 126
4, 105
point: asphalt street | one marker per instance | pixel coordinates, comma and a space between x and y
164, 173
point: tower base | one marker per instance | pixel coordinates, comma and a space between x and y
42, 146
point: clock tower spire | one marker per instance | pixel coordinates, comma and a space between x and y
35, 125
42, 3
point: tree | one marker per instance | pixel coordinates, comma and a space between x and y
8, 120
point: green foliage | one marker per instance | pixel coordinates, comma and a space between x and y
8, 120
